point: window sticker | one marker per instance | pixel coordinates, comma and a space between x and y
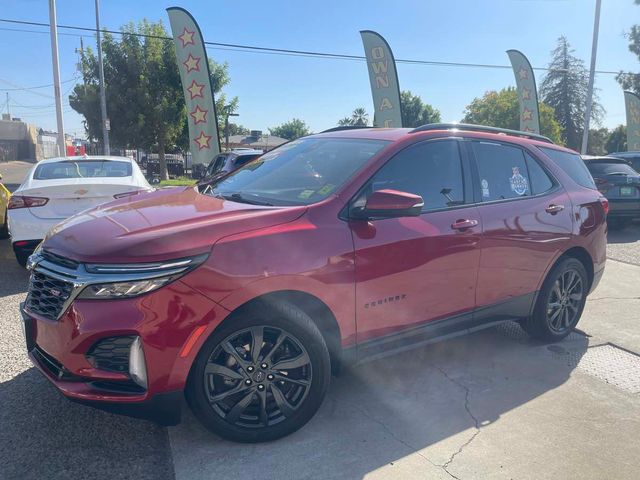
485, 188
305, 194
518, 182
326, 189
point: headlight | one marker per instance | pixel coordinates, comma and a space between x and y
125, 289
107, 281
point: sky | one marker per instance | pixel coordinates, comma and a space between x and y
273, 89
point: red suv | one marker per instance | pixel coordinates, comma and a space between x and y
333, 248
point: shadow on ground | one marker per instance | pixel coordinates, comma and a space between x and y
45, 436
440, 396
13, 278
630, 233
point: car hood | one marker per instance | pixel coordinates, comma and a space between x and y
161, 225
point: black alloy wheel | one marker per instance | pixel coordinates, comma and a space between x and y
261, 375
565, 300
258, 377
560, 301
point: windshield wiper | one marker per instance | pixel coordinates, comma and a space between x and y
238, 197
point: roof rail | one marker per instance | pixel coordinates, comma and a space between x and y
480, 128
344, 127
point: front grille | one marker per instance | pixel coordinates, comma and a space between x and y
47, 295
111, 354
58, 260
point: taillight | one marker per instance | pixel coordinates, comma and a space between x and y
18, 201
128, 194
605, 205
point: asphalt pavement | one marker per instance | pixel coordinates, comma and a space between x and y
490, 405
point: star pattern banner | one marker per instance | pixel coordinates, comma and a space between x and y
527, 92
632, 103
384, 80
196, 85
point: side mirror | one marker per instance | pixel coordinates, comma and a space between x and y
392, 203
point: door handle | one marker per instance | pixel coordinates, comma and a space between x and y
553, 209
463, 224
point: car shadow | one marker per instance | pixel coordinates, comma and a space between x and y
14, 279
438, 396
46, 436
629, 234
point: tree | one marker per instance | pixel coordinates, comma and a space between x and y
415, 112
617, 141
359, 118
626, 80
145, 102
597, 141
565, 89
235, 129
291, 130
501, 109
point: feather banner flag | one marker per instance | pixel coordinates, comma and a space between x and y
196, 85
384, 80
527, 93
632, 103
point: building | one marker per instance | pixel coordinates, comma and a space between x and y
17, 139
256, 140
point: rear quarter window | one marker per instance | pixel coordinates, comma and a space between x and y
572, 165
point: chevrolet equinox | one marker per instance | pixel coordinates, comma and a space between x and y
245, 294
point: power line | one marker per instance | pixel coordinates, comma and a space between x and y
300, 53
30, 88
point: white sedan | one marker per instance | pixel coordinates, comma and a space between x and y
57, 188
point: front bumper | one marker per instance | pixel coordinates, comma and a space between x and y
163, 319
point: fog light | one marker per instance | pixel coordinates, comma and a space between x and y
137, 367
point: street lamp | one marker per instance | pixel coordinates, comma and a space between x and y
227, 114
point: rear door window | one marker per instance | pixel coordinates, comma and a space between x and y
572, 165
502, 170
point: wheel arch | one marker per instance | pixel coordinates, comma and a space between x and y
581, 254
314, 307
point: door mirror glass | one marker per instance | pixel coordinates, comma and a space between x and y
392, 203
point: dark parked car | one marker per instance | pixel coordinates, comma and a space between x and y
632, 157
227, 162
331, 249
620, 183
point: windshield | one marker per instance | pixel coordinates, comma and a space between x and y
298, 173
610, 169
82, 169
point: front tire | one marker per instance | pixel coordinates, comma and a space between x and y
261, 375
560, 302
22, 258
4, 228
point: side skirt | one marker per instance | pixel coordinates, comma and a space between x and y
444, 329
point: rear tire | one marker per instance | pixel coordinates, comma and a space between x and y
560, 302
261, 375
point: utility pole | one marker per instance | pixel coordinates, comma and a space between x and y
8, 109
592, 74
227, 112
103, 100
56, 77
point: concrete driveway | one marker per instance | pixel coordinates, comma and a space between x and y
490, 405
